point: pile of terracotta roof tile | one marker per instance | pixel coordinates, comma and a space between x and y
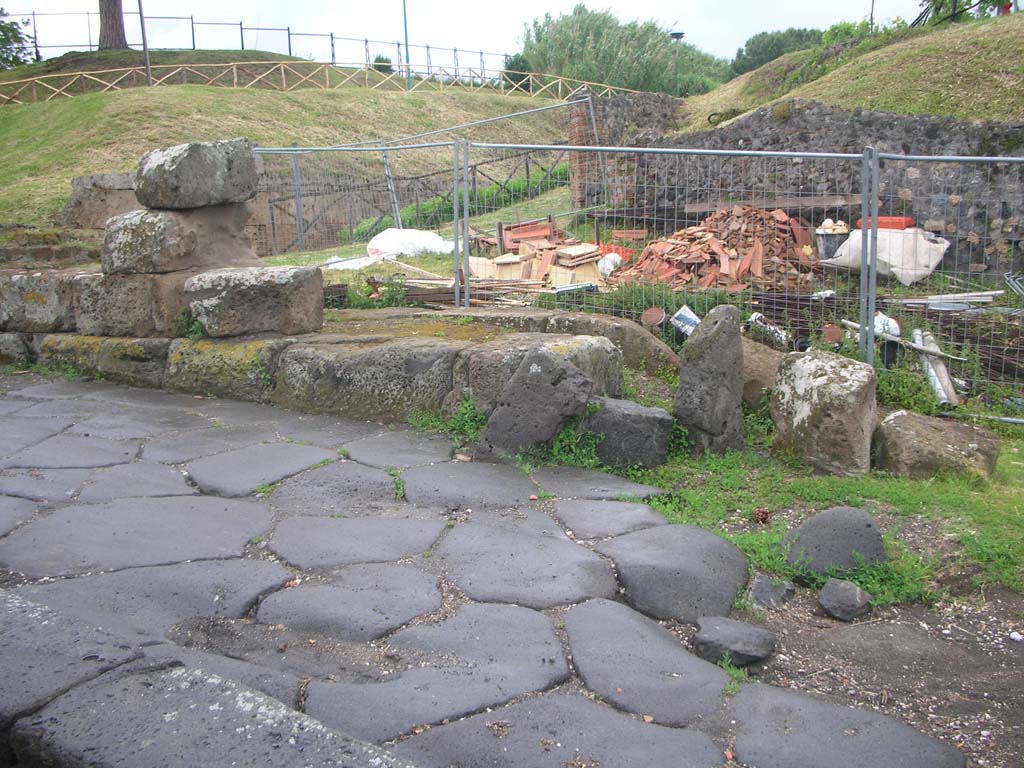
732, 249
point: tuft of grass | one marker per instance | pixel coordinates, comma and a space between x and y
736, 674
399, 483
464, 427
265, 489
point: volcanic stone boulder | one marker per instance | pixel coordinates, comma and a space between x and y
130, 305
844, 600
37, 302
911, 445
13, 348
823, 407
835, 541
719, 638
237, 300
709, 399
197, 175
631, 433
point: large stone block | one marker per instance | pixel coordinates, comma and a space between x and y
198, 174
835, 541
385, 381
13, 348
640, 349
136, 362
96, 198
709, 399
242, 368
171, 241
823, 407
632, 433
130, 305
38, 302
237, 301
911, 445
760, 368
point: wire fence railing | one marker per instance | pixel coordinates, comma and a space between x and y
696, 228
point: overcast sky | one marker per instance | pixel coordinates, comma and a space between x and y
469, 25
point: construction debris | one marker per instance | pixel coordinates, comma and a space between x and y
731, 249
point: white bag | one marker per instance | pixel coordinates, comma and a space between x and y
909, 255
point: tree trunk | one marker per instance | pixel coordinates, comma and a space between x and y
111, 26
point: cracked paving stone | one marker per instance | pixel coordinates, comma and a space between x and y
558, 730
333, 489
590, 519
400, 449
326, 431
240, 472
58, 390
362, 602
575, 483
487, 655
468, 484
637, 665
74, 410
14, 511
133, 532
43, 484
496, 565
12, 406
135, 480
137, 425
177, 449
72, 452
315, 542
21, 433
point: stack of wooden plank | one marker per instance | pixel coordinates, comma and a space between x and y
731, 249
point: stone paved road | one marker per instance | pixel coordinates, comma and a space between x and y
205, 582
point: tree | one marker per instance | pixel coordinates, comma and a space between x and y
767, 46
945, 11
13, 42
516, 71
112, 26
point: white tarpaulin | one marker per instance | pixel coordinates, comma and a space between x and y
395, 242
908, 255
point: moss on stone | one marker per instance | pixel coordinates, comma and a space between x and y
227, 368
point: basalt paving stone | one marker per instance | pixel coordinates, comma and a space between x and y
73, 410
783, 729
558, 730
44, 654
139, 397
326, 431
177, 449
149, 601
21, 433
362, 602
333, 489
637, 665
59, 389
126, 426
574, 483
314, 542
239, 413
43, 484
240, 472
487, 655
73, 451
278, 685
400, 449
518, 520
180, 717
678, 571
14, 511
133, 532
468, 484
500, 566
12, 406
589, 519
134, 480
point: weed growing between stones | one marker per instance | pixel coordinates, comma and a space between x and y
67, 372
399, 483
464, 427
736, 674
265, 489
186, 326
343, 453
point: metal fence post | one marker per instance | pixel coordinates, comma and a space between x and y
192, 22
873, 258
333, 60
288, 30
455, 219
465, 220
241, 35
391, 185
864, 319
300, 224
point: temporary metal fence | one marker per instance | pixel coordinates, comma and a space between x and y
967, 208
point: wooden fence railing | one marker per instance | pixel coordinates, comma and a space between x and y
295, 75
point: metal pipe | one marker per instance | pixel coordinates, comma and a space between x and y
666, 151
145, 45
300, 224
408, 71
873, 258
455, 219
465, 220
865, 197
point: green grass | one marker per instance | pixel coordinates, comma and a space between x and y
464, 426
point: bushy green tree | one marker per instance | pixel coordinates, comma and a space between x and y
516, 69
767, 46
946, 11
13, 42
845, 30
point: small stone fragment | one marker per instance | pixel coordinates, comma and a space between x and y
767, 592
718, 638
844, 600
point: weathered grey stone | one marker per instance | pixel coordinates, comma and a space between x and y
45, 654
361, 602
182, 716
73, 451
138, 362
632, 433
709, 399
645, 669
495, 565
14, 511
386, 381
598, 519
202, 442
485, 655
334, 489
575, 483
760, 369
835, 541
678, 571
544, 393
13, 349
225, 367
640, 348
921, 447
558, 731
769, 592
132, 532
133, 480
314, 542
844, 600
326, 430
96, 198
482, 371
823, 407
783, 729
474, 485
146, 602
171, 241
236, 301
133, 424
38, 302
720, 638
21, 432
130, 305
43, 484
197, 175
399, 449
242, 471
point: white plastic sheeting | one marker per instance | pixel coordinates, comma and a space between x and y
392, 243
909, 255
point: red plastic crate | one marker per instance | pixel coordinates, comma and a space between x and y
890, 222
